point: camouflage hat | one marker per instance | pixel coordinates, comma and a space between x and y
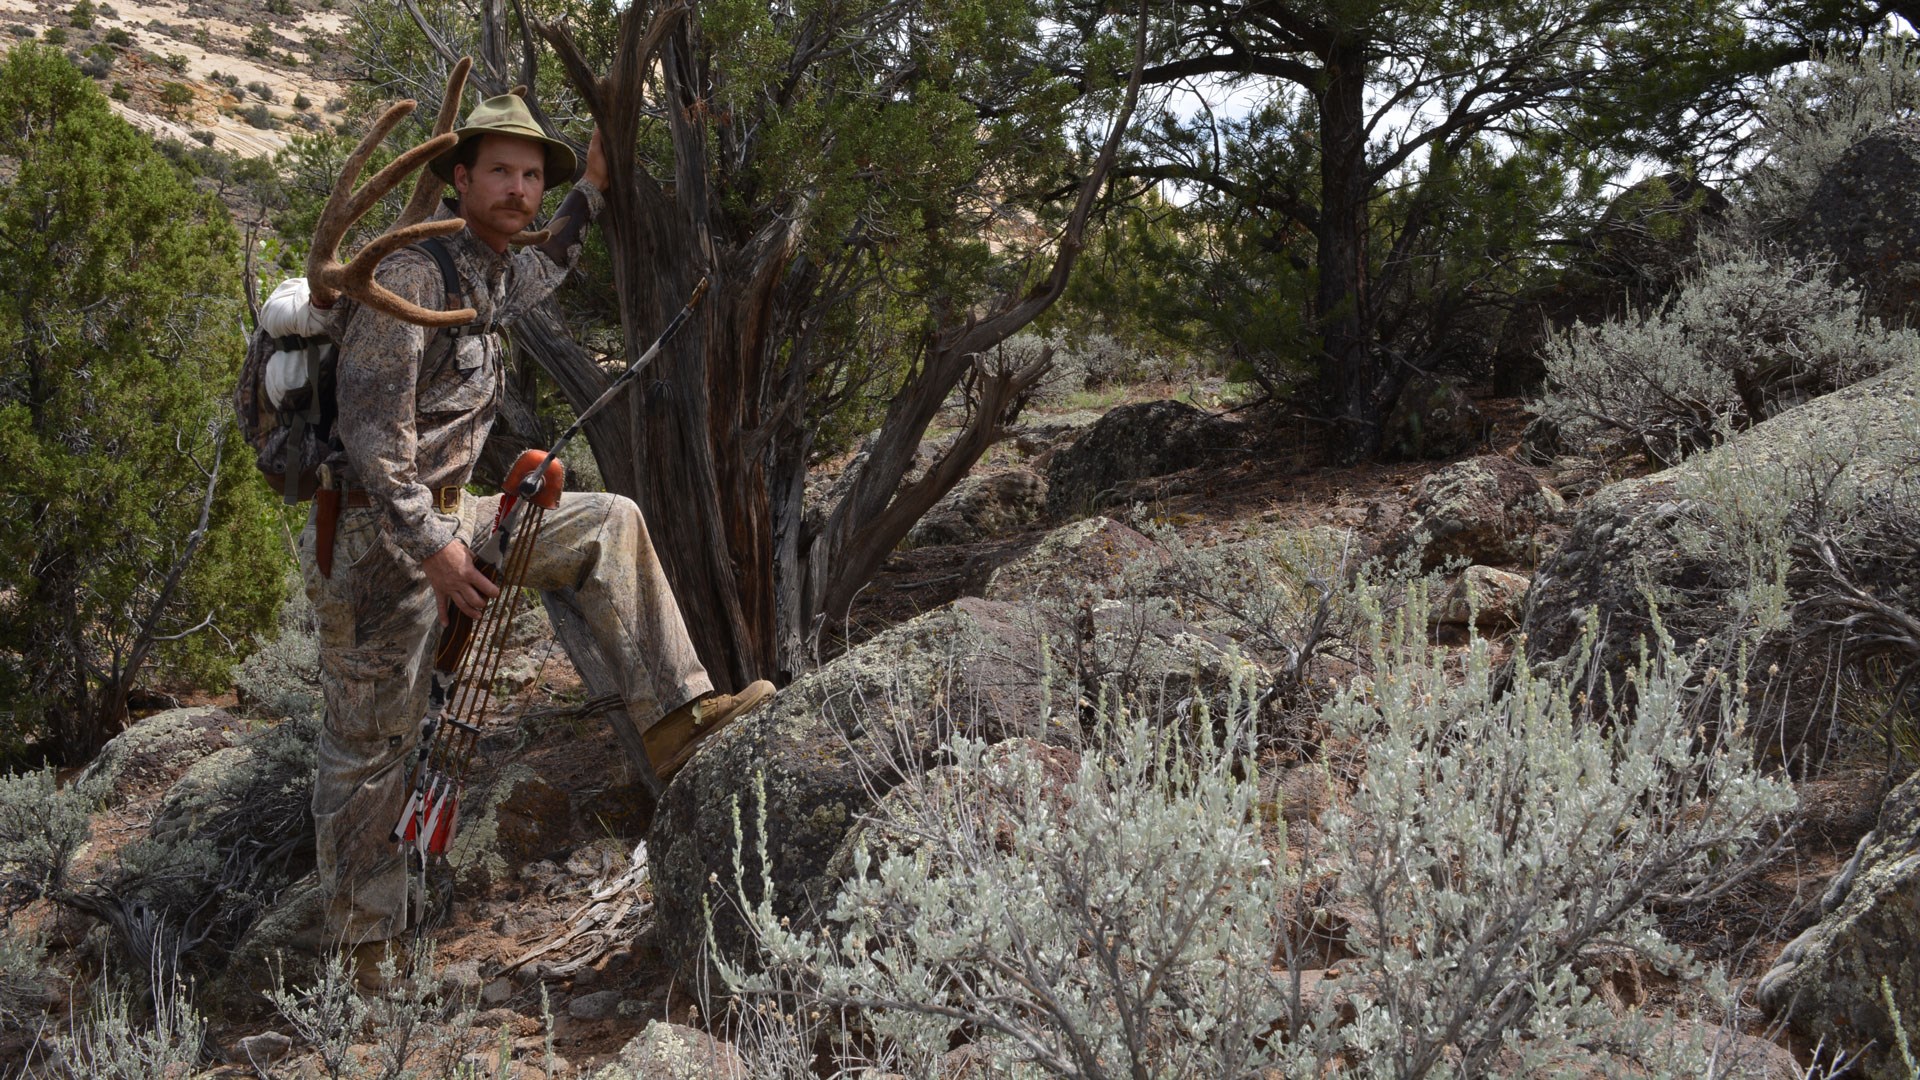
507, 115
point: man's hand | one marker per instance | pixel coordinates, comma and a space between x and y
596, 173
456, 580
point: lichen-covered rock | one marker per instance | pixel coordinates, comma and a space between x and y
285, 942
207, 789
1827, 981
1138, 648
1072, 563
982, 507
823, 749
905, 816
1865, 214
1487, 510
1623, 544
671, 1052
1484, 597
1640, 249
1432, 418
155, 751
512, 820
1133, 442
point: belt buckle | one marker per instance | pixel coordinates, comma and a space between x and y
449, 498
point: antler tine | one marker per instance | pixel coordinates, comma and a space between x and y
525, 238
397, 170
426, 191
323, 258
362, 287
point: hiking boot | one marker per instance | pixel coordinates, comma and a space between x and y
671, 742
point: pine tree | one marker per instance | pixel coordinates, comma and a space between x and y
133, 540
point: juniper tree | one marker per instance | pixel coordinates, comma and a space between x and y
135, 539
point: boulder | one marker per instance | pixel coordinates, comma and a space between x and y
1487, 510
1641, 248
905, 816
666, 1051
284, 943
1865, 215
154, 752
1623, 543
1486, 598
1133, 442
1827, 981
1073, 563
1432, 418
513, 819
813, 759
983, 507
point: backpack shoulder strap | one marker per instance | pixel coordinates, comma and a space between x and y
436, 249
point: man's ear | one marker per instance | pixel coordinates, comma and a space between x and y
461, 178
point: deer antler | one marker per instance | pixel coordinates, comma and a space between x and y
328, 277
426, 190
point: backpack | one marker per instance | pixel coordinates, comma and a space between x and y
285, 398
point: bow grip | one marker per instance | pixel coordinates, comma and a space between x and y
551, 480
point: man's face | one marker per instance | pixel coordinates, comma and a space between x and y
501, 193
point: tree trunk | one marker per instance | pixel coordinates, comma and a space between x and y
713, 448
1348, 366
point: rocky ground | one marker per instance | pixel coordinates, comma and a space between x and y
554, 930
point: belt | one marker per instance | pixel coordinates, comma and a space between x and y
326, 516
446, 499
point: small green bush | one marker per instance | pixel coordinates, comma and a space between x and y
120, 92
175, 62
176, 96
54, 35
1749, 335
81, 16
258, 116
119, 37
258, 88
302, 102
97, 63
204, 138
260, 41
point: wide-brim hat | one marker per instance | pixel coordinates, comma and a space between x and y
507, 115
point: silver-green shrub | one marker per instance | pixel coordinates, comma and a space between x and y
1812, 117
414, 1031
1748, 335
42, 825
1119, 926
1497, 836
1128, 922
113, 1042
24, 987
281, 676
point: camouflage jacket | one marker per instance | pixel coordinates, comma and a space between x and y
412, 430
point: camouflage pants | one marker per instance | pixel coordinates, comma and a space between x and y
377, 626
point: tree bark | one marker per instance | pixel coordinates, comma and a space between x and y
1348, 368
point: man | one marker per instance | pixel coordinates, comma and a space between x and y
414, 411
